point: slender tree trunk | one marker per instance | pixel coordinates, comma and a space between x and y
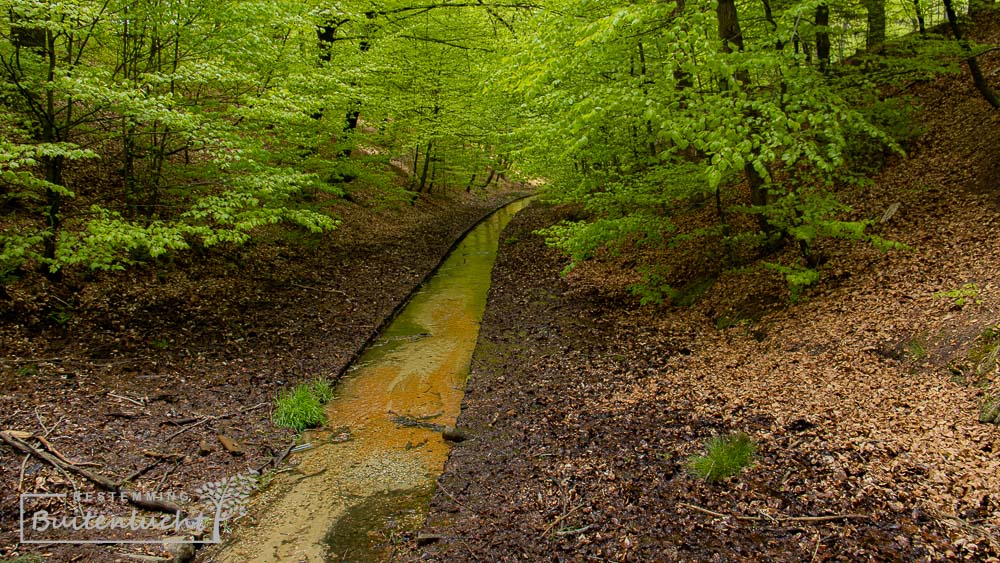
823, 38
53, 165
650, 135
427, 163
977, 74
434, 170
53, 202
416, 163
729, 32
920, 17
489, 179
769, 16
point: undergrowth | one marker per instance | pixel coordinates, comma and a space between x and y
726, 456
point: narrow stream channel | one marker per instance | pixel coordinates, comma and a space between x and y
373, 468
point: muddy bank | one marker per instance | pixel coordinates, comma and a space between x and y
583, 408
112, 367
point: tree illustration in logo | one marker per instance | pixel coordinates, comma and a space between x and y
228, 497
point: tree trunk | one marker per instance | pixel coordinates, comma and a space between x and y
920, 17
729, 32
977, 75
53, 202
769, 16
427, 163
875, 36
823, 38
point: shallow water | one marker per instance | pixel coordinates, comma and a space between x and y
372, 471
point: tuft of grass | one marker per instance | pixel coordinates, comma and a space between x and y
726, 456
917, 348
989, 410
324, 389
976, 367
302, 407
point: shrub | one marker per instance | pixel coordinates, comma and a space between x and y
726, 456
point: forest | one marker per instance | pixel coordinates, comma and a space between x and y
752, 293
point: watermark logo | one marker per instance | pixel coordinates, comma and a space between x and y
102, 518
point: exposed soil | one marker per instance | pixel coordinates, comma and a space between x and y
112, 368
584, 406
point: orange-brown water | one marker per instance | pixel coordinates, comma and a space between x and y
347, 494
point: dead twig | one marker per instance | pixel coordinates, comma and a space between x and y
830, 518
574, 531
129, 399
167, 474
52, 450
209, 418
328, 290
559, 519
141, 471
451, 496
276, 460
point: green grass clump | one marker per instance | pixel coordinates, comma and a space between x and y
726, 456
302, 407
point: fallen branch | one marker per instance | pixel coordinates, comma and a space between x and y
328, 290
560, 519
830, 518
451, 496
205, 419
48, 446
96, 478
276, 460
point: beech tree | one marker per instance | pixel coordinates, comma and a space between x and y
185, 96
651, 106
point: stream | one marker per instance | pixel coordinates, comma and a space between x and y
371, 472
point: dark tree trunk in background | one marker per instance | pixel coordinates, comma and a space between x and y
823, 38
875, 36
732, 36
977, 74
427, 162
921, 25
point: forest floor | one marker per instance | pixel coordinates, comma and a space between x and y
150, 368
864, 399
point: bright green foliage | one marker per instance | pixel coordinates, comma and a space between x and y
639, 112
207, 107
726, 456
968, 293
302, 407
221, 117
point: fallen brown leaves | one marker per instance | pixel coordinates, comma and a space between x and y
194, 351
584, 406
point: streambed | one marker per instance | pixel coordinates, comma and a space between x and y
373, 467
